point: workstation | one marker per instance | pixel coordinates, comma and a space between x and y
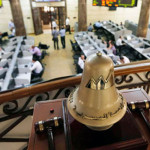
15, 65
90, 44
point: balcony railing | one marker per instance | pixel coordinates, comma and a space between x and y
18, 104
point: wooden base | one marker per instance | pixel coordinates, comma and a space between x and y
126, 134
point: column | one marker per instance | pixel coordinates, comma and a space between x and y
36, 19
82, 15
17, 17
144, 19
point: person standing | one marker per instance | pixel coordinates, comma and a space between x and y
55, 34
54, 25
11, 25
62, 36
68, 25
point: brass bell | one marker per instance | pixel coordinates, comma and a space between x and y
97, 103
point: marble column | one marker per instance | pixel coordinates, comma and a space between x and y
36, 19
82, 15
17, 17
144, 18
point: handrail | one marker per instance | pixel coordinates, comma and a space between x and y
68, 82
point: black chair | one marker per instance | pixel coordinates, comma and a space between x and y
23, 43
2, 76
15, 73
20, 55
74, 46
25, 37
43, 46
5, 34
11, 84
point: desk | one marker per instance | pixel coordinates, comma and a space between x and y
129, 136
22, 74
89, 45
114, 29
134, 42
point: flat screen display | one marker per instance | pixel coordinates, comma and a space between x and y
116, 3
0, 3
48, 0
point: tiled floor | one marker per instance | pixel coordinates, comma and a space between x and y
59, 62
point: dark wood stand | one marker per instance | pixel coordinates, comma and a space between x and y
130, 132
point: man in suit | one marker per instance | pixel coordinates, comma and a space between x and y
55, 34
62, 36
68, 25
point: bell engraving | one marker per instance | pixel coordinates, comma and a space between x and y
100, 83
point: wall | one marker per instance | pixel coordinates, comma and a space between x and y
52, 4
72, 11
5, 16
27, 15
95, 13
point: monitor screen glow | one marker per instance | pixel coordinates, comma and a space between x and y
48, 0
0, 3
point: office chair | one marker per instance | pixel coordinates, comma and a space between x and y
15, 73
2, 76
5, 34
25, 37
23, 43
6, 65
20, 55
43, 46
11, 84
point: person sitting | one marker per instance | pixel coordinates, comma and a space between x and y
13, 33
119, 41
36, 68
112, 47
121, 24
97, 25
124, 60
90, 28
36, 52
81, 64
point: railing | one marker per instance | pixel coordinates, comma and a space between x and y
19, 102
121, 70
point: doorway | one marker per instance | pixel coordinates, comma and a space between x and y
48, 14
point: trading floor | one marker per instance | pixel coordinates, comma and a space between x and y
59, 62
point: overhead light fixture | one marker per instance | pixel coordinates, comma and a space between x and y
52, 8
